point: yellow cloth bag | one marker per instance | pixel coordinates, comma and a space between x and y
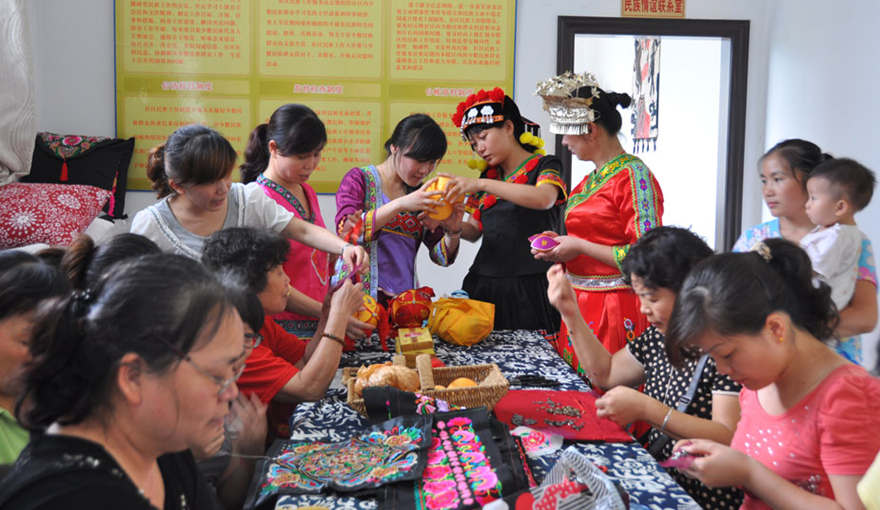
462, 321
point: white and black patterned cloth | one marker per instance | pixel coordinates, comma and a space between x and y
517, 353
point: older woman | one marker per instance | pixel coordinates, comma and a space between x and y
784, 170
656, 267
125, 378
606, 213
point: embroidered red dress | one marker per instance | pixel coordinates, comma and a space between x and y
614, 205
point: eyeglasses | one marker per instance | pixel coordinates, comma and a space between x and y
252, 340
222, 383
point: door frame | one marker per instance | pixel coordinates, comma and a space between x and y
737, 31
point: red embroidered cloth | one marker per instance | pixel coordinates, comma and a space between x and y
572, 414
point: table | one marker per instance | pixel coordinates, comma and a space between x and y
518, 352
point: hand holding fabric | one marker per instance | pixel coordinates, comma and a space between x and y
568, 248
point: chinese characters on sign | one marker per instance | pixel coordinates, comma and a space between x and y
652, 8
362, 65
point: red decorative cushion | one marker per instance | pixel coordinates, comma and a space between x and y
47, 213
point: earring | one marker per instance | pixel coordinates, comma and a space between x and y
781, 340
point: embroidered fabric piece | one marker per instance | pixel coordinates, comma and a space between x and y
473, 460
393, 451
70, 145
537, 443
572, 414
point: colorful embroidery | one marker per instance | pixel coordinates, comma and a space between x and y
458, 471
378, 456
262, 180
519, 176
644, 198
597, 179
71, 145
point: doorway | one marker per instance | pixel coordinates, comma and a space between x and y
696, 151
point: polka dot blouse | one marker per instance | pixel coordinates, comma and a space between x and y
667, 384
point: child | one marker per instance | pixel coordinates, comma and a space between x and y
518, 194
808, 429
836, 190
389, 201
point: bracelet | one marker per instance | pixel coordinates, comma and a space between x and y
342, 251
334, 338
665, 420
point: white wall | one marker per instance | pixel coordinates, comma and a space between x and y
687, 150
822, 87
74, 72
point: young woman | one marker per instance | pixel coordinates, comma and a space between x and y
517, 195
387, 203
656, 267
606, 213
125, 378
808, 430
192, 172
784, 170
25, 282
283, 368
280, 157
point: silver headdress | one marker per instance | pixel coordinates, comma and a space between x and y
569, 114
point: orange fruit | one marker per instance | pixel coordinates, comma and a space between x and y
461, 382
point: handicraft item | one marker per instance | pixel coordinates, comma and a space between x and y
444, 210
472, 461
542, 242
393, 451
571, 414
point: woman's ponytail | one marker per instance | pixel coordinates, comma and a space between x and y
256, 154
156, 171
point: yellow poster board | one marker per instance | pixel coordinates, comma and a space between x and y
362, 65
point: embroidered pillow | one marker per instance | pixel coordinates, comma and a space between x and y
78, 159
47, 213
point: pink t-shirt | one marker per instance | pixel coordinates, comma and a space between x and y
833, 430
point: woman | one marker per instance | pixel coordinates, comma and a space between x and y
125, 378
283, 368
606, 213
656, 267
281, 156
25, 282
386, 206
84, 262
784, 170
808, 430
192, 173
517, 195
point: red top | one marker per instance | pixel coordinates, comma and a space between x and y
831, 431
613, 206
271, 364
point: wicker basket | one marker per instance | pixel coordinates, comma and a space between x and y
491, 384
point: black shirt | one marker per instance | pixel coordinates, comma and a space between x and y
56, 471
